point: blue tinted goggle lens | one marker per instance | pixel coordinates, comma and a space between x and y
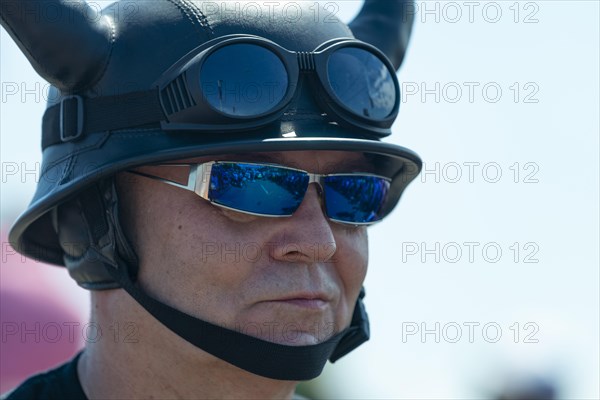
278, 191
243, 80
362, 82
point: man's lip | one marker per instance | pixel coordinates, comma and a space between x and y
304, 296
314, 304
305, 300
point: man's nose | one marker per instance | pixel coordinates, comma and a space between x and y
308, 236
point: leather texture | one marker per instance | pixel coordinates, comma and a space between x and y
393, 19
67, 43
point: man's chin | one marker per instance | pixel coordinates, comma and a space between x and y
290, 334
300, 339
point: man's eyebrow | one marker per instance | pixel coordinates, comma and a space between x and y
362, 164
351, 165
262, 157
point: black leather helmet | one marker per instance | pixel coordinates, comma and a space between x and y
115, 104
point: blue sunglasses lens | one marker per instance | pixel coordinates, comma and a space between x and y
243, 80
355, 199
271, 190
258, 189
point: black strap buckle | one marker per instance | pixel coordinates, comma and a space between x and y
71, 118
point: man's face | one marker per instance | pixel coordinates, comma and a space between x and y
291, 280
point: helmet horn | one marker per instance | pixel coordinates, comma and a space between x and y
68, 43
386, 24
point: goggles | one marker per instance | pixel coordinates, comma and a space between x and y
271, 190
241, 82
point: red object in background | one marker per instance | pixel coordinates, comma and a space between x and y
40, 327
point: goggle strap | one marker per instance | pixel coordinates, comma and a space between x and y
100, 114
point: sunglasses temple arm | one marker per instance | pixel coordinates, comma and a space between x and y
190, 186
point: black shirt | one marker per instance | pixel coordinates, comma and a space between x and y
60, 383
